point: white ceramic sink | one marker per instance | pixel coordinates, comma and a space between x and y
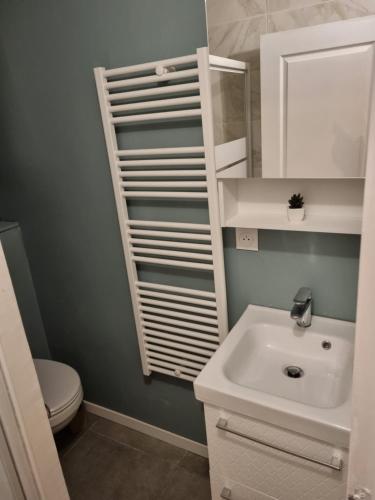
262, 355
249, 372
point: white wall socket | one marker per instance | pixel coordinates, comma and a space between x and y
247, 239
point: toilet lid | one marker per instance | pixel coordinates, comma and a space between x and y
59, 383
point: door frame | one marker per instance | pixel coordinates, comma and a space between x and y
362, 439
23, 417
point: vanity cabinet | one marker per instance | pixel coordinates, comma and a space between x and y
316, 86
241, 469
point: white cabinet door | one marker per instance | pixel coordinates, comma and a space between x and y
316, 90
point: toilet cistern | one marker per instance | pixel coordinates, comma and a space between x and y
301, 310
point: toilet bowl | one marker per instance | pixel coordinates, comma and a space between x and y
62, 391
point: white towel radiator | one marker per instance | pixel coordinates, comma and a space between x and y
178, 328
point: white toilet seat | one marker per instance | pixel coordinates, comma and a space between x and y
63, 418
62, 391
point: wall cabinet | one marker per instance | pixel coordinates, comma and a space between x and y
316, 86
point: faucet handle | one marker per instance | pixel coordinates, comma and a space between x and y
303, 295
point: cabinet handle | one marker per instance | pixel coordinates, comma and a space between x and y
226, 494
336, 463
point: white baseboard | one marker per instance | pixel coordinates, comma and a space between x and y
150, 430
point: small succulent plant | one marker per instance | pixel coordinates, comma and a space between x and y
296, 201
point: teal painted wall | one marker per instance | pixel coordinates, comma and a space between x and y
19, 270
327, 263
54, 179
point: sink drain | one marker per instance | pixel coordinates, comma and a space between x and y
293, 372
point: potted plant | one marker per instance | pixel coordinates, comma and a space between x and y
296, 212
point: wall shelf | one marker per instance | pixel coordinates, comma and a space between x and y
314, 223
332, 205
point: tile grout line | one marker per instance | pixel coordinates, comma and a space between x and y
70, 448
171, 472
235, 21
113, 440
288, 9
177, 460
268, 13
181, 458
174, 466
126, 445
267, 17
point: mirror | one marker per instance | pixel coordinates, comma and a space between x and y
228, 94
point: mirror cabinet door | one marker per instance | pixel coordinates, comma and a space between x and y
316, 90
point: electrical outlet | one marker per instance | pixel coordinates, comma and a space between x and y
247, 239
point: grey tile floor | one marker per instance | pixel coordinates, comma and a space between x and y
108, 461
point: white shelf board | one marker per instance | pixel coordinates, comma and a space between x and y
312, 223
332, 205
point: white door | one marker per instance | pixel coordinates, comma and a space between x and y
29, 464
362, 443
316, 90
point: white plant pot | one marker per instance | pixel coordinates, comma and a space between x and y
296, 214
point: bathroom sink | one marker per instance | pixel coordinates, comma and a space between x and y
305, 366
270, 368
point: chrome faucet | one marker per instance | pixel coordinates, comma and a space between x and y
301, 310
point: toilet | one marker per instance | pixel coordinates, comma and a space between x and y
62, 391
